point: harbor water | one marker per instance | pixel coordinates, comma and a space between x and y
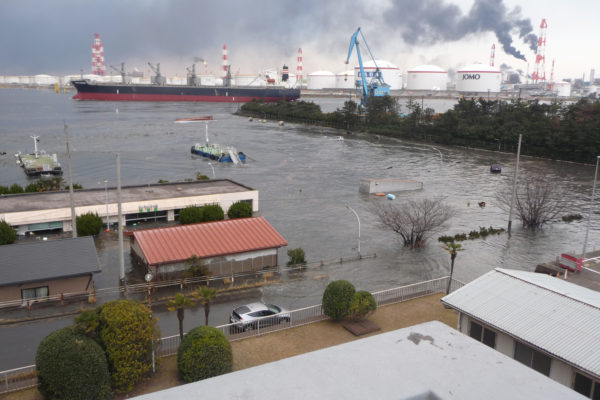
306, 176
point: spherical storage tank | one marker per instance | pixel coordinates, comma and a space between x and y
321, 80
427, 77
390, 73
344, 80
478, 78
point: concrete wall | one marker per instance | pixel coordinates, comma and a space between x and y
77, 284
388, 185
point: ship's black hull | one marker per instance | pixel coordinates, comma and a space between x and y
121, 92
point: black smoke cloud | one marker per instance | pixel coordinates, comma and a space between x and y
431, 21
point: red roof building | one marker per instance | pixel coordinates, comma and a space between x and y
226, 247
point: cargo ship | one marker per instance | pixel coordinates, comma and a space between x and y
159, 91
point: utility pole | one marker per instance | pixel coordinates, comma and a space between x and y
120, 225
514, 190
73, 216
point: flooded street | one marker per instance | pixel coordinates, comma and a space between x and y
305, 177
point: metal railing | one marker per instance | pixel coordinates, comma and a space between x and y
25, 377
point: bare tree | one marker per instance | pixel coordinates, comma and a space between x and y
538, 200
415, 220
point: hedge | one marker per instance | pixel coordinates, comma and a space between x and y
240, 209
71, 366
88, 224
204, 352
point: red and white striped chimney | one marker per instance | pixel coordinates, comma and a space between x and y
299, 76
98, 67
224, 61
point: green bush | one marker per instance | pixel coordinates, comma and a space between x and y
126, 331
71, 366
296, 257
190, 215
337, 298
240, 209
212, 212
15, 189
203, 353
88, 224
4, 190
7, 233
362, 305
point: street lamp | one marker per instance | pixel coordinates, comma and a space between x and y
213, 169
358, 219
106, 191
587, 231
148, 277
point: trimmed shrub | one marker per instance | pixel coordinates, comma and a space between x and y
71, 366
240, 209
337, 298
4, 190
7, 233
127, 332
212, 212
191, 215
296, 256
362, 305
203, 353
15, 188
88, 224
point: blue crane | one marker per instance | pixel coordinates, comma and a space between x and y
377, 87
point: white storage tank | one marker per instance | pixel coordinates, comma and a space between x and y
478, 78
321, 80
45, 80
248, 80
207, 80
344, 80
2, 80
562, 89
427, 77
25, 80
390, 73
11, 79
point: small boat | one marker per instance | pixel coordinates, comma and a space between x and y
495, 169
217, 152
193, 119
39, 163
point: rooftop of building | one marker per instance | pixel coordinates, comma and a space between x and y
87, 197
42, 260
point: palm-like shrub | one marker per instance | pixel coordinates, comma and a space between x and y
204, 352
72, 366
337, 298
240, 209
362, 305
88, 224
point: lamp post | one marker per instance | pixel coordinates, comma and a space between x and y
358, 219
106, 191
148, 277
587, 230
213, 169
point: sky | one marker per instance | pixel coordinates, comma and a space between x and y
55, 37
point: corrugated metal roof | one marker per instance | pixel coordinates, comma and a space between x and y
549, 313
52, 259
209, 239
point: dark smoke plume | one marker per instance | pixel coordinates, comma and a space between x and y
432, 21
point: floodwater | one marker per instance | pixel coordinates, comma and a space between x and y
305, 176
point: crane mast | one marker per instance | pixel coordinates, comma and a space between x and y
158, 79
377, 87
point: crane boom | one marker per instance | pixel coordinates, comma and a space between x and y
377, 86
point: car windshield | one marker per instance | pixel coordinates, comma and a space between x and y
274, 308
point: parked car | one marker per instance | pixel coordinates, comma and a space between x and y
254, 315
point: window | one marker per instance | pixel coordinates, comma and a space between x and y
532, 358
33, 293
485, 335
586, 386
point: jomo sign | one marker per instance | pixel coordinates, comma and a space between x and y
467, 77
